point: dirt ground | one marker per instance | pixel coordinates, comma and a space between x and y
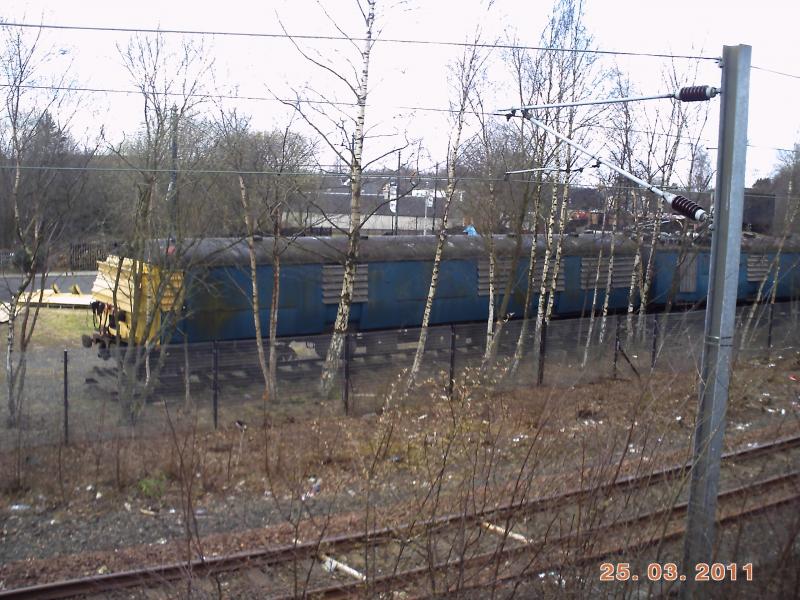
128, 501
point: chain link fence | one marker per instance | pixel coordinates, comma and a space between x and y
73, 394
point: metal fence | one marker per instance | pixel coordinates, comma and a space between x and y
74, 395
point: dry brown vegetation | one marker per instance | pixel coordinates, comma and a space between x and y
307, 478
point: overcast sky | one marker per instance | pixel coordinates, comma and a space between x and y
407, 77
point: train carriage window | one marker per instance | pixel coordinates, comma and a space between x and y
502, 270
332, 283
620, 277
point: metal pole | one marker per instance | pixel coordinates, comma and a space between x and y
542, 352
346, 391
769, 329
66, 399
452, 377
215, 382
616, 346
715, 369
654, 349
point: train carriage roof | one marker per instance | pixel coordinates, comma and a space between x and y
331, 250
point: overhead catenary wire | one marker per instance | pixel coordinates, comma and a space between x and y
343, 38
775, 72
321, 174
210, 96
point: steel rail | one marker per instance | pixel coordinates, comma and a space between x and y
343, 542
389, 583
595, 557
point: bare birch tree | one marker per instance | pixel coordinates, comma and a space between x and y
169, 80
269, 167
34, 140
465, 73
348, 146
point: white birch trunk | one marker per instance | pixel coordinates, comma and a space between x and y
437, 260
609, 276
551, 298
773, 266
251, 250
635, 272
526, 312
490, 319
595, 289
648, 270
333, 357
548, 251
468, 71
273, 316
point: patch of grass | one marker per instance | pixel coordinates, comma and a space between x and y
152, 487
60, 327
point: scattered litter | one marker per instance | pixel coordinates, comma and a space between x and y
770, 365
148, 512
19, 507
765, 394
89, 488
161, 541
98, 495
127, 506
102, 570
171, 511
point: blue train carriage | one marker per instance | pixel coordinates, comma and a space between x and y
760, 257
394, 273
391, 287
682, 274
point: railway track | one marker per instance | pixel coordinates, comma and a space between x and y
522, 554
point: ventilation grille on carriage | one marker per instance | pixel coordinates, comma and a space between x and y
620, 277
502, 270
688, 273
758, 266
332, 276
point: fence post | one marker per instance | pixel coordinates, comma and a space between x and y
452, 376
616, 346
769, 328
654, 349
215, 382
66, 398
542, 353
346, 391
